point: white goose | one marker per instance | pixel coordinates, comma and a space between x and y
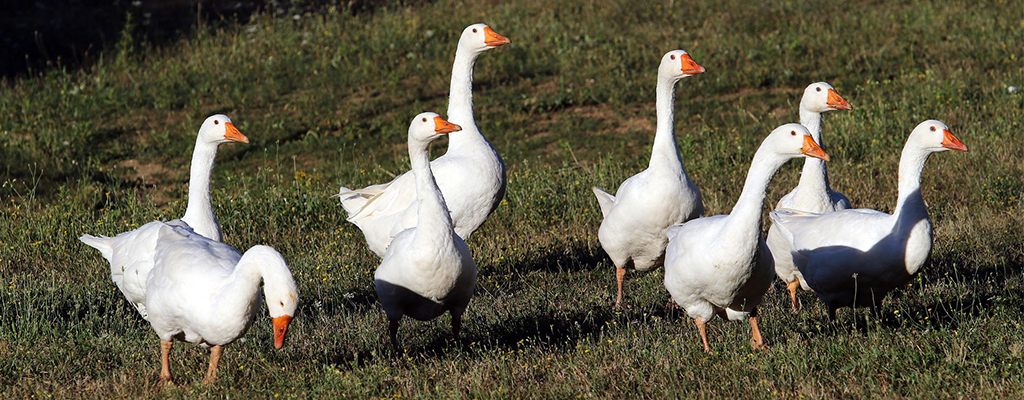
813, 193
720, 265
131, 253
471, 174
646, 204
428, 269
855, 257
204, 292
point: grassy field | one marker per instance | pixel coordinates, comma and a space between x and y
325, 96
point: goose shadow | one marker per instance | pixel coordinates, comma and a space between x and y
939, 314
575, 257
539, 331
334, 301
512, 271
550, 330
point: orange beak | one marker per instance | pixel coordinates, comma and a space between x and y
836, 101
492, 38
441, 126
811, 149
233, 134
280, 329
951, 142
690, 67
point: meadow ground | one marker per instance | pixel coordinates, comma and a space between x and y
325, 95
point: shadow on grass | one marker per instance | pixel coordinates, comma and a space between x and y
574, 257
333, 301
949, 314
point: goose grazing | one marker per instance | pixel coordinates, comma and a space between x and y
636, 218
855, 257
205, 292
720, 265
131, 253
471, 175
813, 193
427, 270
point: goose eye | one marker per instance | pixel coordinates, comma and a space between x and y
792, 133
424, 119
672, 57
474, 30
216, 122
282, 304
817, 89
933, 129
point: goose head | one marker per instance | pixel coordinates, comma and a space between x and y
428, 126
677, 65
794, 140
820, 97
934, 136
480, 38
279, 288
218, 129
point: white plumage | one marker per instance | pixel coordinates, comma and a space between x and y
471, 175
633, 231
856, 256
427, 270
813, 193
131, 254
720, 265
205, 292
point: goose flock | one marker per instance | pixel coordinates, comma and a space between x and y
192, 287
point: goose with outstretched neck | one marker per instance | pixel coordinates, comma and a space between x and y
813, 193
636, 217
721, 265
427, 270
131, 253
855, 257
471, 174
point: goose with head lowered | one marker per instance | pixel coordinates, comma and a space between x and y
427, 270
636, 217
131, 253
855, 257
471, 175
205, 292
720, 265
813, 193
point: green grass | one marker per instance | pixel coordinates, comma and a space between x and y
570, 104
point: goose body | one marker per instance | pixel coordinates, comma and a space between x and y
855, 257
131, 254
721, 265
813, 193
471, 174
427, 270
636, 218
205, 292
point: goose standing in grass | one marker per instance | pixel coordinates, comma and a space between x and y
471, 175
720, 265
428, 269
131, 253
855, 257
813, 193
205, 292
636, 218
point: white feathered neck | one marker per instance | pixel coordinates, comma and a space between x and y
199, 212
